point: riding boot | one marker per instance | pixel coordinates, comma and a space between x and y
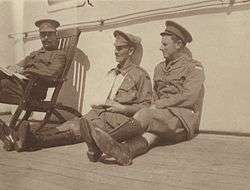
93, 153
5, 132
122, 152
127, 130
59, 138
23, 137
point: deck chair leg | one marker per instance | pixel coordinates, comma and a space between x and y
59, 116
25, 117
15, 117
45, 120
68, 109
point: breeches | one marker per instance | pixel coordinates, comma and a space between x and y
96, 118
10, 89
105, 120
161, 122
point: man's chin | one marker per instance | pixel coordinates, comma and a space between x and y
48, 47
166, 56
118, 59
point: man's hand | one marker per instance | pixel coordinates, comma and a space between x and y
115, 106
15, 68
99, 106
153, 106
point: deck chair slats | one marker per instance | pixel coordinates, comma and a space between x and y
61, 43
67, 32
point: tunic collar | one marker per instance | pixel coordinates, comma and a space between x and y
124, 69
43, 50
178, 60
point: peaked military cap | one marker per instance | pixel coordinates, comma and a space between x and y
47, 25
178, 30
123, 38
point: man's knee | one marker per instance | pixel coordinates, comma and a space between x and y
91, 115
72, 124
5, 83
144, 117
143, 114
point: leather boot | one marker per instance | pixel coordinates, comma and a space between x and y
60, 138
93, 153
127, 130
5, 132
122, 152
23, 135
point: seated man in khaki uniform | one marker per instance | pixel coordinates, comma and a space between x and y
48, 61
178, 95
130, 91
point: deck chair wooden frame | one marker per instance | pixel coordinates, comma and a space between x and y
68, 40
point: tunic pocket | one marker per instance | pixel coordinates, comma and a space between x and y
127, 84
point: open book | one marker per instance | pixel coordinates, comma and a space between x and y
11, 73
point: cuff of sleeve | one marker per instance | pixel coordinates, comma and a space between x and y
161, 103
130, 110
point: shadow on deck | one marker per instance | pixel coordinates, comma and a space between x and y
206, 162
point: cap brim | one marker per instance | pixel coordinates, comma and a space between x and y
132, 40
165, 33
54, 22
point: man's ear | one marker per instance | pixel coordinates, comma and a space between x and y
131, 50
179, 44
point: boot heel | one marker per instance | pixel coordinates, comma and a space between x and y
94, 156
8, 146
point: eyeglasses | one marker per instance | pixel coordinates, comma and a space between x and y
119, 48
44, 34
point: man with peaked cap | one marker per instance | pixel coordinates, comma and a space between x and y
130, 91
47, 61
178, 95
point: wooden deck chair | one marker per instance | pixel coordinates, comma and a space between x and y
68, 40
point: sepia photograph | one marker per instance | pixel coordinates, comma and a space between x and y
124, 94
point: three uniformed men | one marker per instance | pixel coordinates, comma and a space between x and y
132, 120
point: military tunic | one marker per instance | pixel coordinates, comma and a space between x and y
43, 62
135, 92
178, 96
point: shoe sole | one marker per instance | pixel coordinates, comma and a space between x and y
111, 147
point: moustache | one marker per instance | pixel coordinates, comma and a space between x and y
46, 41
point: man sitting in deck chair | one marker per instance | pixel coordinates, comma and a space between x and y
130, 91
175, 113
48, 61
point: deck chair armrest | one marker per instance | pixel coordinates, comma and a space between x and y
41, 78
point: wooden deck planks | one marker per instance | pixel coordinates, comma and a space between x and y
206, 162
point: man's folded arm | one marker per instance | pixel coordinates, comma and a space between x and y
189, 94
